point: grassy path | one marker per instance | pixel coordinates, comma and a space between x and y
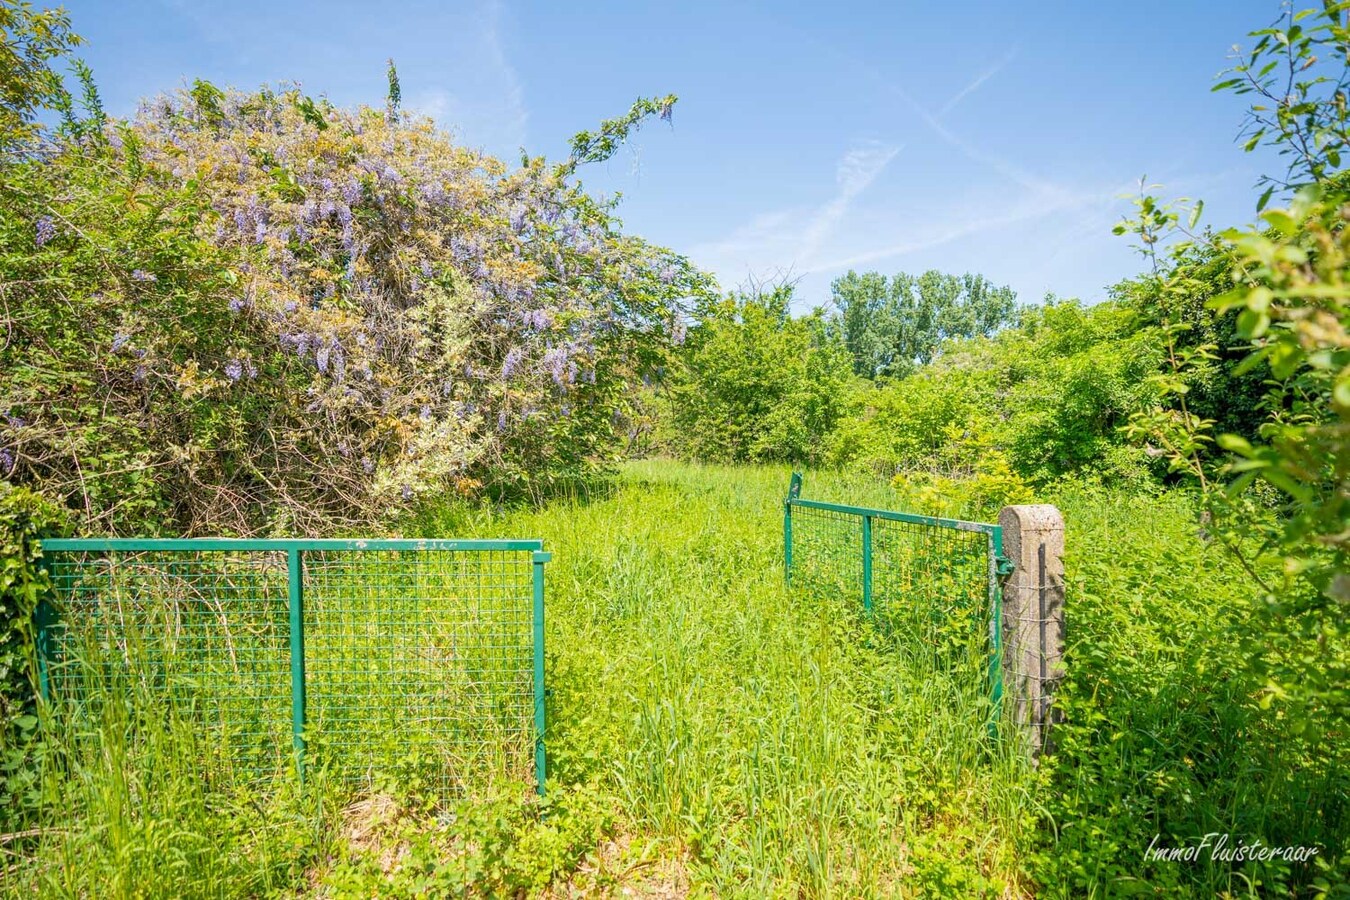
772, 744
710, 735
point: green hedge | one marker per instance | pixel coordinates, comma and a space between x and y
24, 517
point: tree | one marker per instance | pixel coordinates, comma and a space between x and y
757, 384
29, 41
892, 325
1291, 296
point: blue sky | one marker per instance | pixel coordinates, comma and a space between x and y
809, 138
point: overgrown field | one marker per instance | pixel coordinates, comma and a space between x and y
713, 734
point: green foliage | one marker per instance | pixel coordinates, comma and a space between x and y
495, 846
1292, 309
30, 39
1221, 385
1295, 309
244, 313
892, 325
25, 517
598, 146
1074, 378
1048, 397
1297, 74
898, 425
697, 709
1160, 736
756, 383
967, 474
395, 96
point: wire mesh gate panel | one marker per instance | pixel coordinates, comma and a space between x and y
366, 659
933, 581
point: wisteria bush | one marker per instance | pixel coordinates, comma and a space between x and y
260, 313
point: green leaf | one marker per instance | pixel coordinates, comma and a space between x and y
1252, 324
1281, 221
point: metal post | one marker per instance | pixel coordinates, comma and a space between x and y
44, 617
295, 570
867, 563
540, 721
1041, 675
995, 630
794, 491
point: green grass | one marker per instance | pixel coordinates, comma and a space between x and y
712, 733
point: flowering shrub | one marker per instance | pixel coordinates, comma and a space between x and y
261, 312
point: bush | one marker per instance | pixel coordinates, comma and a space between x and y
257, 312
1161, 736
1049, 397
756, 384
24, 518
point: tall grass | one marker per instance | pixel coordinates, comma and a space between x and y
712, 732
781, 739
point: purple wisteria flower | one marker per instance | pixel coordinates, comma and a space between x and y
238, 304
514, 357
6, 462
367, 465
556, 361
45, 230
234, 370
142, 275
120, 340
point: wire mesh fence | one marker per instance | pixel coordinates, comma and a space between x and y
367, 659
932, 583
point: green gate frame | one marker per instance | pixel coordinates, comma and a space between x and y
999, 568
295, 548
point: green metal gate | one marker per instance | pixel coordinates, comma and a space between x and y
936, 579
362, 657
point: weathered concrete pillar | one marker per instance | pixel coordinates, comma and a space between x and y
1033, 614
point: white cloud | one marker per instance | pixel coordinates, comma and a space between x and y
789, 238
974, 85
930, 237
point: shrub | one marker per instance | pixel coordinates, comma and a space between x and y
24, 518
244, 312
756, 383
